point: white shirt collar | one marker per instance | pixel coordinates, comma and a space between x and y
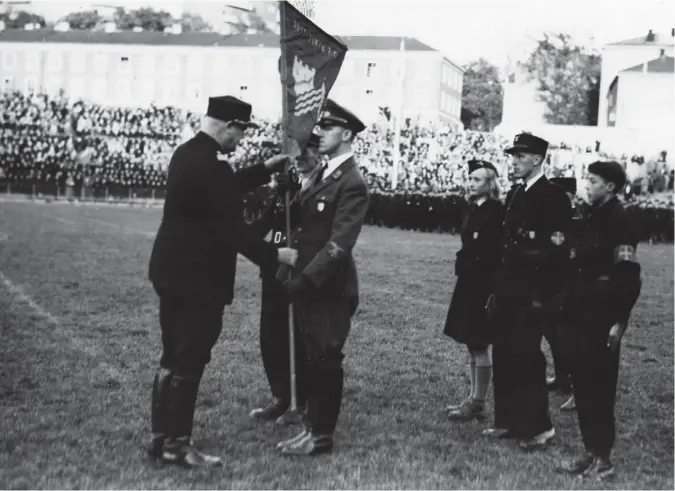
336, 162
480, 200
530, 183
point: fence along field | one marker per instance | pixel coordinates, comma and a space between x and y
80, 342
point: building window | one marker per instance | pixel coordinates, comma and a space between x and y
77, 62
76, 88
370, 70
101, 63
171, 64
123, 89
170, 94
9, 60
55, 61
32, 61
125, 65
194, 92
243, 90
147, 89
99, 89
30, 85
148, 64
195, 67
369, 92
7, 84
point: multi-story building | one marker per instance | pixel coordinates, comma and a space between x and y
184, 69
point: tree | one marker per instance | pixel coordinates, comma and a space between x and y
145, 17
568, 79
85, 20
194, 23
257, 18
482, 96
17, 19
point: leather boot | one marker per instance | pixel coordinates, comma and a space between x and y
181, 402
330, 400
158, 412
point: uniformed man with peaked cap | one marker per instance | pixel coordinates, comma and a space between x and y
596, 311
329, 215
534, 255
274, 339
192, 268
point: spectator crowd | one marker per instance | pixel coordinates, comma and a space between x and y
49, 144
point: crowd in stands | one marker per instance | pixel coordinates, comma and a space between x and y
49, 144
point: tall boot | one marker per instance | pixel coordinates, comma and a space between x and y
181, 402
158, 411
331, 400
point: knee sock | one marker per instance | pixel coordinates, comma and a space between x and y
472, 372
483, 369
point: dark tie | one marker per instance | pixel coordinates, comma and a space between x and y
319, 174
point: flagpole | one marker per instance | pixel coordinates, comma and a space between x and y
399, 116
287, 199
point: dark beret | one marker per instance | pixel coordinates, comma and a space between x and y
475, 164
528, 143
569, 184
228, 108
610, 171
336, 115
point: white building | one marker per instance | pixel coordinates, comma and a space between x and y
184, 69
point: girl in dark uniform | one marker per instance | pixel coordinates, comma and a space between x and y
475, 267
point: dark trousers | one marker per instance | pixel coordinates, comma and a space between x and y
519, 370
274, 343
552, 334
324, 318
595, 372
190, 328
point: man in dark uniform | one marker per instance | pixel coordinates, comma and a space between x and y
561, 379
601, 296
192, 268
274, 338
537, 217
329, 215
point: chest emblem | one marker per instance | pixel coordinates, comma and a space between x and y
475, 235
320, 206
558, 238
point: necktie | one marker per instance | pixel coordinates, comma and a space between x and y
319, 174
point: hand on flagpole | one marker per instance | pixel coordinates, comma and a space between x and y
277, 163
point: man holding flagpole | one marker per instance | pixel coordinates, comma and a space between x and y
324, 285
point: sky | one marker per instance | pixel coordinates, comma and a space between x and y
463, 30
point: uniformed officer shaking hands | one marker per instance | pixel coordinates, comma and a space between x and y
192, 267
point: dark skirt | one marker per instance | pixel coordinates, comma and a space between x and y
467, 321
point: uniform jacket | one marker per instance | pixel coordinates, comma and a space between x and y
328, 217
202, 227
536, 242
606, 272
481, 241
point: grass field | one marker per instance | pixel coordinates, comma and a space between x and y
80, 341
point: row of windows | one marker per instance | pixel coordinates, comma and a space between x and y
451, 78
100, 63
450, 104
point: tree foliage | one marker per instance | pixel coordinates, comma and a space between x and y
568, 79
194, 23
83, 20
145, 17
17, 19
482, 96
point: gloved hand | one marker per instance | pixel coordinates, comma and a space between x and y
297, 286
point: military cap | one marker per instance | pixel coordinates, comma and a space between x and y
475, 164
610, 171
528, 143
334, 114
569, 184
231, 109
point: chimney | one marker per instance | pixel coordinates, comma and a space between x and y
663, 54
672, 32
650, 36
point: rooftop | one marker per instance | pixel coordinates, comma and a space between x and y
664, 64
655, 39
387, 43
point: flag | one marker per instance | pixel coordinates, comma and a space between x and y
309, 65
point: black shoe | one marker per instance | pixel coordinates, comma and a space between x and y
275, 408
577, 466
603, 468
311, 445
156, 447
182, 452
499, 433
468, 412
306, 433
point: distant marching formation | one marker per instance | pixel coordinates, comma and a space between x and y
528, 267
